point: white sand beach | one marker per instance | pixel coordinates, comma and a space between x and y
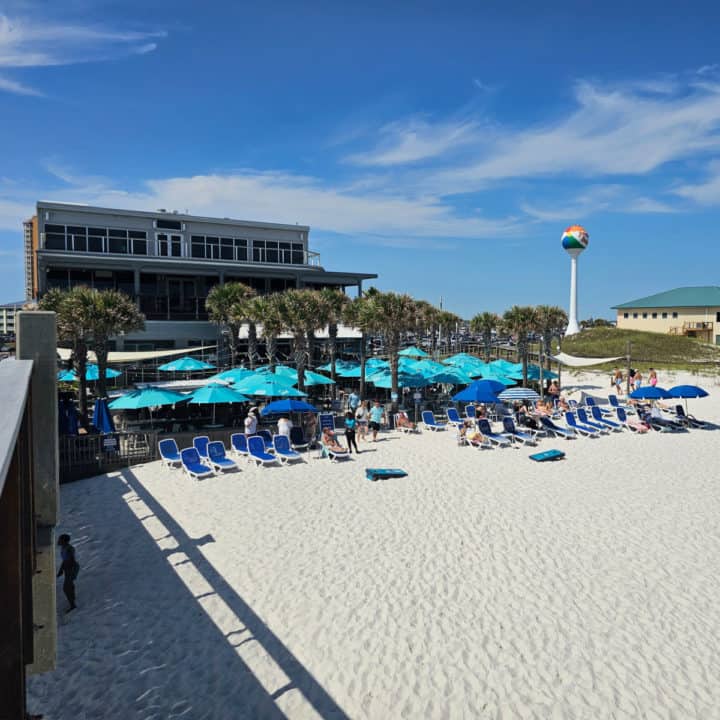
483, 585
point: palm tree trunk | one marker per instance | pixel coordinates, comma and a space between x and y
233, 340
524, 356
101, 354
363, 341
311, 342
487, 340
300, 360
332, 337
80, 364
271, 350
252, 344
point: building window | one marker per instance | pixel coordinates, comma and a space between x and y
664, 316
674, 316
717, 317
654, 316
635, 316
168, 225
626, 315
169, 245
216, 248
644, 316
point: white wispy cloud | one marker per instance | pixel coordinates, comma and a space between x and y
706, 192
416, 139
41, 42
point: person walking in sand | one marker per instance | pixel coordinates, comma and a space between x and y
350, 425
362, 415
69, 569
377, 416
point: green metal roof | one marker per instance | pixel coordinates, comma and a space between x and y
679, 297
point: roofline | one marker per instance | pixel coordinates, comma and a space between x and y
155, 215
628, 306
640, 303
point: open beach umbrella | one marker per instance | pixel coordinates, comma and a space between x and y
413, 351
287, 405
459, 358
339, 365
519, 393
491, 374
687, 391
102, 421
145, 398
311, 378
67, 418
483, 391
505, 367
450, 376
534, 373
216, 394
383, 379
430, 367
376, 363
649, 392
185, 364
232, 376
92, 373
267, 386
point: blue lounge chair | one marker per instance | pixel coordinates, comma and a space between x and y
494, 438
334, 455
267, 437
598, 417
556, 430
690, 420
526, 438
192, 464
586, 430
200, 443
169, 453
585, 420
298, 441
454, 418
238, 444
615, 403
591, 402
470, 412
429, 421
257, 452
283, 451
632, 425
217, 457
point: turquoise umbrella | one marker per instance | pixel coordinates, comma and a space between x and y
267, 386
92, 373
311, 378
429, 367
233, 375
216, 394
185, 364
376, 363
497, 377
460, 358
505, 367
533, 373
384, 380
450, 376
145, 398
413, 351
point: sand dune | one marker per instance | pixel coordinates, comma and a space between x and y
483, 585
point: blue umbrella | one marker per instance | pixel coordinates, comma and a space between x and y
505, 367
102, 421
413, 351
650, 393
67, 418
233, 375
450, 376
534, 373
491, 374
384, 380
216, 394
267, 386
687, 391
185, 364
92, 373
145, 398
311, 378
484, 391
519, 393
287, 406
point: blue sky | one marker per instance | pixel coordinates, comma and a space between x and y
444, 146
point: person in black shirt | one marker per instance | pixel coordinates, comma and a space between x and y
69, 569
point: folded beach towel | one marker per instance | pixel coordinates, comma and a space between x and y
548, 455
384, 473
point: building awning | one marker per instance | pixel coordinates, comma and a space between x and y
137, 356
572, 361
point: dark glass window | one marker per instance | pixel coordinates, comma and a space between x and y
644, 316
57, 279
176, 246
635, 316
626, 315
163, 244
654, 316
55, 229
80, 277
241, 250
115, 233
97, 231
298, 256
271, 252
168, 225
674, 315
226, 249
117, 245
76, 230
197, 249
139, 247
103, 280
664, 316
80, 243
54, 241
95, 244
139, 234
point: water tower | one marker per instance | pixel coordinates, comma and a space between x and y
574, 240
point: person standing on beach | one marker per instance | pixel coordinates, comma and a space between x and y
69, 568
377, 415
361, 415
251, 422
353, 402
350, 425
652, 377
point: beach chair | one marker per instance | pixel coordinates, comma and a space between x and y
283, 451
298, 441
585, 420
591, 403
257, 452
193, 465
495, 438
470, 413
463, 440
662, 424
453, 417
267, 437
200, 443
238, 444
217, 457
430, 423
333, 455
615, 403
555, 430
403, 428
690, 420
580, 429
599, 418
169, 453
526, 438
632, 425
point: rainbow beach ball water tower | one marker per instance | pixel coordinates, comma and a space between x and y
574, 240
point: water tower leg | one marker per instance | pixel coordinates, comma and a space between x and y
573, 326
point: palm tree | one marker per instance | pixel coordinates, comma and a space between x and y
521, 320
552, 321
317, 316
247, 311
296, 311
447, 322
335, 302
485, 324
391, 315
427, 322
114, 313
268, 311
220, 303
74, 312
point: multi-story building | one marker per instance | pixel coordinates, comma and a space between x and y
691, 311
168, 262
7, 317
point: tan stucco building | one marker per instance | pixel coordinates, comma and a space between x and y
691, 311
